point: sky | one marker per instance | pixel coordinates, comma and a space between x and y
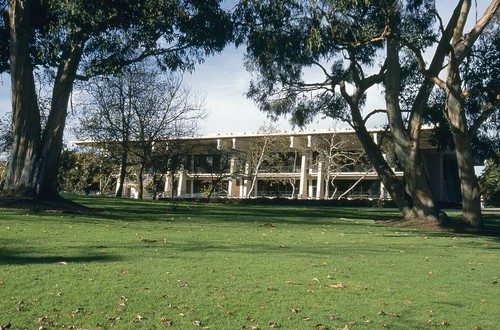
223, 80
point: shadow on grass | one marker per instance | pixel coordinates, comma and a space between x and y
129, 210
9, 257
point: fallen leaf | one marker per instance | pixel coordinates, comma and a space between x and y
337, 286
197, 323
166, 322
306, 318
5, 326
138, 318
273, 324
294, 310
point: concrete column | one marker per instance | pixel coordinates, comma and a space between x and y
246, 182
303, 177
310, 186
320, 189
383, 191
232, 182
167, 189
181, 187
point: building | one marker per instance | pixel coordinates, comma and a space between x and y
302, 165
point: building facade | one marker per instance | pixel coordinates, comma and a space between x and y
302, 165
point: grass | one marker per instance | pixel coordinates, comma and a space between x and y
148, 265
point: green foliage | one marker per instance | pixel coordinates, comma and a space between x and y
5, 133
287, 40
116, 33
481, 72
149, 265
490, 182
83, 171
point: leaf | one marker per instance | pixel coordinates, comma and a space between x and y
166, 322
138, 318
337, 286
273, 324
5, 326
196, 323
294, 310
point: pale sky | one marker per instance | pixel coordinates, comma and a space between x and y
223, 80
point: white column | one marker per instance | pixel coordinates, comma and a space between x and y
303, 177
232, 182
245, 186
320, 190
181, 187
167, 189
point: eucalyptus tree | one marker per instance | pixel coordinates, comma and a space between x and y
338, 42
455, 45
78, 39
356, 46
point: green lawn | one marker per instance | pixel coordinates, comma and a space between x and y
148, 265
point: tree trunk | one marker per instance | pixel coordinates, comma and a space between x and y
34, 159
406, 146
123, 172
140, 193
455, 112
469, 185
391, 183
52, 139
22, 169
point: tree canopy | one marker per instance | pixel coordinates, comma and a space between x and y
78, 39
354, 46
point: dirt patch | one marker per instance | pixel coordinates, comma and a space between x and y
420, 224
434, 226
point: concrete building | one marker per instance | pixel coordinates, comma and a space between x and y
303, 165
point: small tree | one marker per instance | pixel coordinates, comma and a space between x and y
264, 153
218, 165
490, 182
336, 154
134, 111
